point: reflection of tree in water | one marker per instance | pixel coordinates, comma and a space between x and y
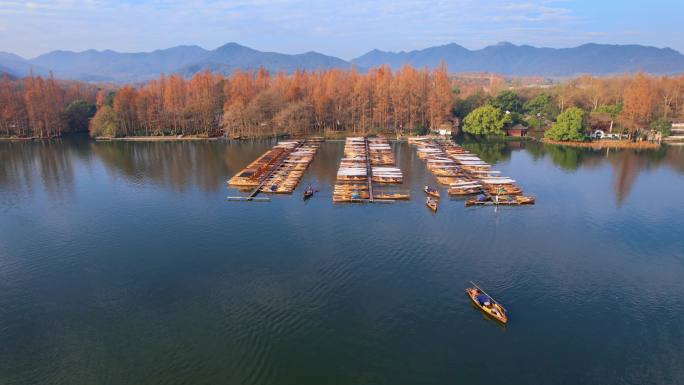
535, 149
324, 166
241, 153
49, 160
179, 164
491, 152
568, 158
626, 163
675, 158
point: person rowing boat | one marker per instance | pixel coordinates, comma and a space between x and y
487, 304
431, 192
431, 203
308, 193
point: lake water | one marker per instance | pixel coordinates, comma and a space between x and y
123, 263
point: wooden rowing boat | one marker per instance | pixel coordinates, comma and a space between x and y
431, 204
487, 304
460, 191
308, 193
431, 192
394, 196
500, 200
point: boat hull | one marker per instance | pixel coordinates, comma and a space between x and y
432, 205
434, 194
501, 317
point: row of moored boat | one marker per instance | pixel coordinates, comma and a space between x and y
278, 170
465, 174
367, 161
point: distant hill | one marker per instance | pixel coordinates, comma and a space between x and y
524, 60
503, 58
17, 66
92, 65
4, 71
226, 58
110, 65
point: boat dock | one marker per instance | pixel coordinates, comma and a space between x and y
367, 161
467, 175
278, 171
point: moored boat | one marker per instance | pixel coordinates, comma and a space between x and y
465, 187
392, 196
431, 192
431, 204
500, 200
487, 304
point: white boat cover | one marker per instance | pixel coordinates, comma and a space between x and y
498, 181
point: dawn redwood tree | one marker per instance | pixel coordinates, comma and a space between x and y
13, 113
441, 97
383, 97
639, 98
125, 106
253, 103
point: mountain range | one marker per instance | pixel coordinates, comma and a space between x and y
503, 58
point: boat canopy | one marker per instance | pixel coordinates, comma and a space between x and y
498, 181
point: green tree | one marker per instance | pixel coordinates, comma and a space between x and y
533, 122
662, 125
507, 101
78, 114
109, 99
569, 126
491, 151
543, 105
516, 118
568, 158
486, 120
612, 109
465, 106
104, 123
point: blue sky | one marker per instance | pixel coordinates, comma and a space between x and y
346, 28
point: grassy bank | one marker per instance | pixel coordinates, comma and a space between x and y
26, 138
155, 138
598, 144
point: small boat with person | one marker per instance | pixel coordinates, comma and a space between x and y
431, 204
487, 304
431, 192
308, 193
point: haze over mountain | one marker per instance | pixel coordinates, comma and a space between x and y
503, 58
92, 65
509, 59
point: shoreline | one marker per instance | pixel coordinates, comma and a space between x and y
617, 144
605, 144
153, 138
28, 138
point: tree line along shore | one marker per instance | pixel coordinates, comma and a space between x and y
409, 101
